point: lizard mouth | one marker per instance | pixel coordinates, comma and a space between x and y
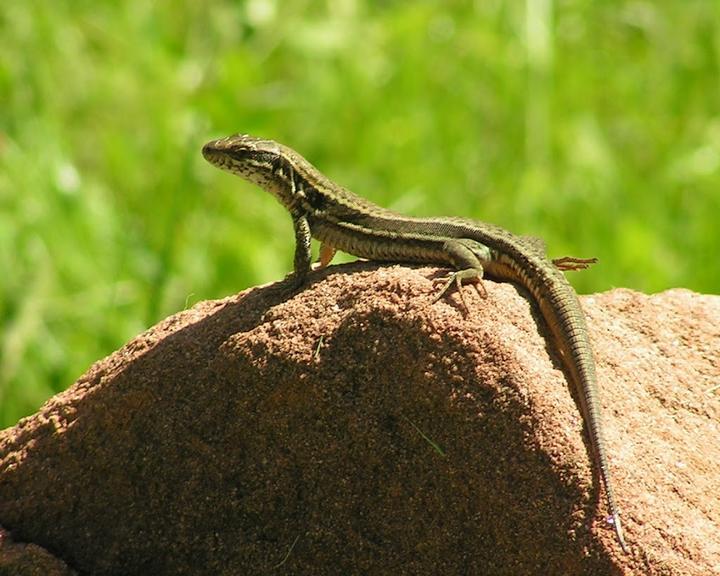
209, 152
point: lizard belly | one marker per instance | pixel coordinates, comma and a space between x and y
378, 244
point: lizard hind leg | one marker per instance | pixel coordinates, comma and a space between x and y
467, 256
327, 253
572, 263
459, 278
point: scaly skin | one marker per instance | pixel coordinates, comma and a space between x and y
343, 221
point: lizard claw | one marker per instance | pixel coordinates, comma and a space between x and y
457, 279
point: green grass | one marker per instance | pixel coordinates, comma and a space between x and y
595, 125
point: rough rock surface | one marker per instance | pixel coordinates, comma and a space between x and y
354, 429
19, 559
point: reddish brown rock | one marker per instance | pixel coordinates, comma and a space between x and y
17, 559
355, 429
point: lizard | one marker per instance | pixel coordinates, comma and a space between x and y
341, 220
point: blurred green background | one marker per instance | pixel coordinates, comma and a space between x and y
595, 125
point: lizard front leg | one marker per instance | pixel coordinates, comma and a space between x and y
303, 253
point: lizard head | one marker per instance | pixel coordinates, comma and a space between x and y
272, 166
263, 162
244, 155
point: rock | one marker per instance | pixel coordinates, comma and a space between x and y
356, 429
17, 559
